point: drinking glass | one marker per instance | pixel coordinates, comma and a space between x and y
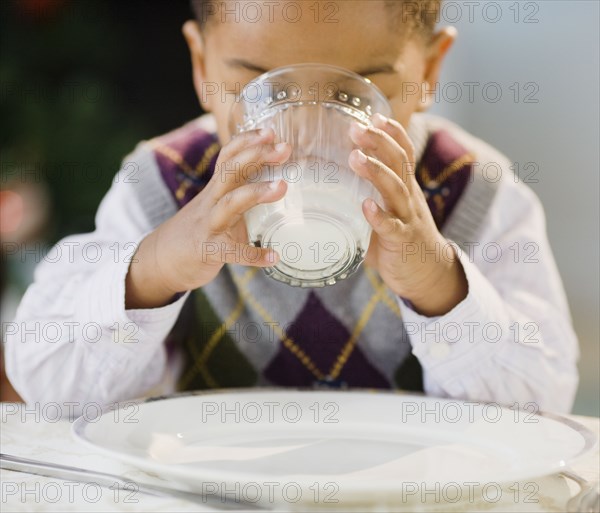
318, 227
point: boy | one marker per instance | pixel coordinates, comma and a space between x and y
484, 318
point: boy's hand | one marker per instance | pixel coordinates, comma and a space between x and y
189, 249
429, 275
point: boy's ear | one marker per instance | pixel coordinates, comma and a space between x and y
193, 36
436, 50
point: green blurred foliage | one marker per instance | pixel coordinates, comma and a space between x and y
73, 80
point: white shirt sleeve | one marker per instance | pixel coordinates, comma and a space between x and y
72, 339
510, 340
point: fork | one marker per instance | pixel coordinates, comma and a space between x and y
68, 473
587, 500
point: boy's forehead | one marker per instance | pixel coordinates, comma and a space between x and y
347, 33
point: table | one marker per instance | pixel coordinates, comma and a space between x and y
34, 433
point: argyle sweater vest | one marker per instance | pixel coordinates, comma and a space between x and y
244, 329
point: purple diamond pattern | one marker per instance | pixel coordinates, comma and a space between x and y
322, 337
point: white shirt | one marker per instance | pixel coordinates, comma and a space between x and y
509, 341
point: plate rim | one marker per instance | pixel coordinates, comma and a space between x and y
179, 471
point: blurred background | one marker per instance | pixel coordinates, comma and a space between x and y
542, 57
82, 81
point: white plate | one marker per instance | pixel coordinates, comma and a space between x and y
330, 448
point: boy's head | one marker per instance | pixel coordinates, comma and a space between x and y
393, 43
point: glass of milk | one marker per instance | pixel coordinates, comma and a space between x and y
318, 227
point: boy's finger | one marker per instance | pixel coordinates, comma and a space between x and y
232, 205
244, 140
392, 188
397, 132
247, 166
381, 145
385, 225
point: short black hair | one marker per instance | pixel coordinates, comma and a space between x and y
421, 16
